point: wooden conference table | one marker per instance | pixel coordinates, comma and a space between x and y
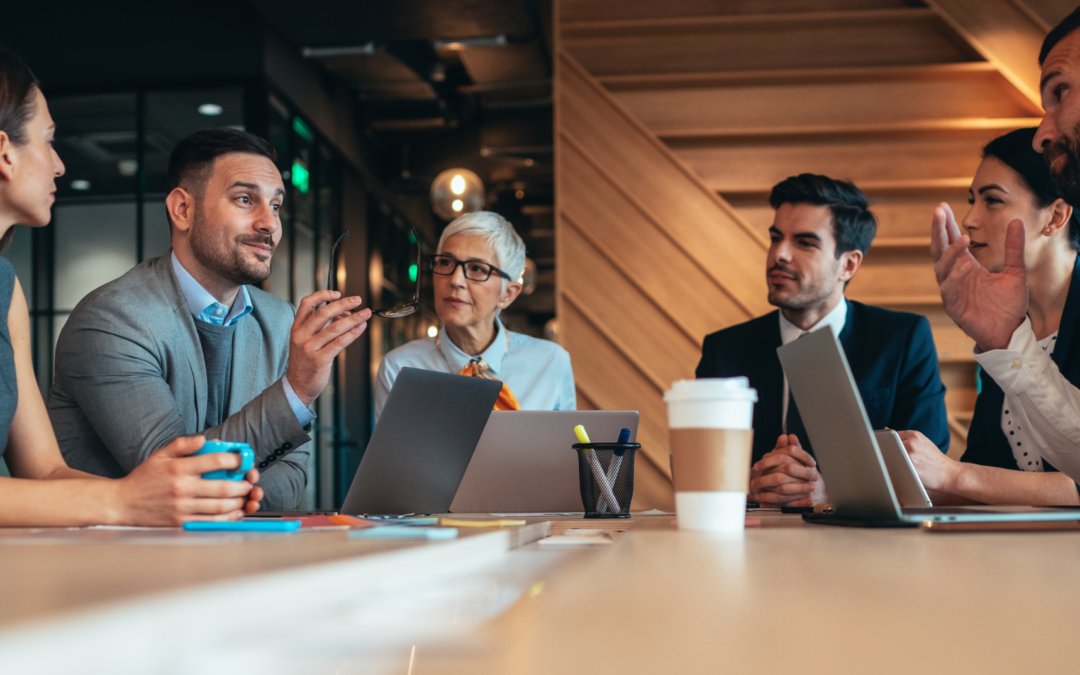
785, 597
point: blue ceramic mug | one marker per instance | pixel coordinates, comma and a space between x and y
247, 459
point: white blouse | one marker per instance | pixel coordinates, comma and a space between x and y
1028, 457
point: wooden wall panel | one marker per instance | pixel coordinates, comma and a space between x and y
1003, 33
894, 37
757, 167
1048, 12
953, 344
596, 210
574, 11
870, 99
627, 317
899, 217
894, 283
656, 182
959, 381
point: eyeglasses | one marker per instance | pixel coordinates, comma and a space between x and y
444, 265
391, 312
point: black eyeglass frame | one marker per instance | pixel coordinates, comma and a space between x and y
395, 312
461, 263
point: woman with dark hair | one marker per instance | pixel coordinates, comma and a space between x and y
1004, 462
43, 491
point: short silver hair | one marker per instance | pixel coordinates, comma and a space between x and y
500, 235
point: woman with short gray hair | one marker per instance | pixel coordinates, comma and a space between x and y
477, 273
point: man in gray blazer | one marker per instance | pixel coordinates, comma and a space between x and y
185, 344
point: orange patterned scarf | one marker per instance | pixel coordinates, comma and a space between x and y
478, 368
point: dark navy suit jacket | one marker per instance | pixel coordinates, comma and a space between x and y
891, 355
987, 443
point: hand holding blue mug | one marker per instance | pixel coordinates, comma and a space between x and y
243, 450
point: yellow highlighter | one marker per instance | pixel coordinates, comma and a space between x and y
504, 522
582, 437
598, 471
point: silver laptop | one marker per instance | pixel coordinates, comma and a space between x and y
524, 462
422, 444
847, 451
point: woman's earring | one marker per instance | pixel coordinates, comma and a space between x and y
1047, 230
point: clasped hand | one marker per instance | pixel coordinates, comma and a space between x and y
787, 476
988, 306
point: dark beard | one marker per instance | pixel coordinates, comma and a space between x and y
230, 264
1067, 180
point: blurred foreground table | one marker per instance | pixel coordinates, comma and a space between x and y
783, 597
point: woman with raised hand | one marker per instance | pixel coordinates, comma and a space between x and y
1004, 462
477, 273
167, 489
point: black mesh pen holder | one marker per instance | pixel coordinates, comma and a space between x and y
612, 463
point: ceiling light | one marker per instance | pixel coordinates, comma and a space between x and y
80, 185
210, 109
127, 167
432, 331
455, 192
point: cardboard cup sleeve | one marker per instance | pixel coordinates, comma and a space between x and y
711, 460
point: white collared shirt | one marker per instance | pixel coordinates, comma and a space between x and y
204, 306
789, 332
1042, 400
537, 371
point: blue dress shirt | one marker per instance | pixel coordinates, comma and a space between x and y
537, 371
204, 307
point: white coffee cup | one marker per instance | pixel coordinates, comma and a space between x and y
711, 429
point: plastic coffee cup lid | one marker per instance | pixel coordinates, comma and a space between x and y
711, 388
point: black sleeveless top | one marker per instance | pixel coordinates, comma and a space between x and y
9, 387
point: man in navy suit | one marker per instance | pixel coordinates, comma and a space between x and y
820, 234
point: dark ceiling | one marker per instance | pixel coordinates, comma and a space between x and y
335, 23
444, 84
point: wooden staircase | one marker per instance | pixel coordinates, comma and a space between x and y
674, 120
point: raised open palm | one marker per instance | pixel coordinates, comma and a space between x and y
988, 306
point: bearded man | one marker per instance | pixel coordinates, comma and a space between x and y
820, 234
186, 344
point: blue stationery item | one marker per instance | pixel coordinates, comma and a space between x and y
399, 520
262, 525
624, 437
247, 459
404, 532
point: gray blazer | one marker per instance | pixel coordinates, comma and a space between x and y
130, 378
